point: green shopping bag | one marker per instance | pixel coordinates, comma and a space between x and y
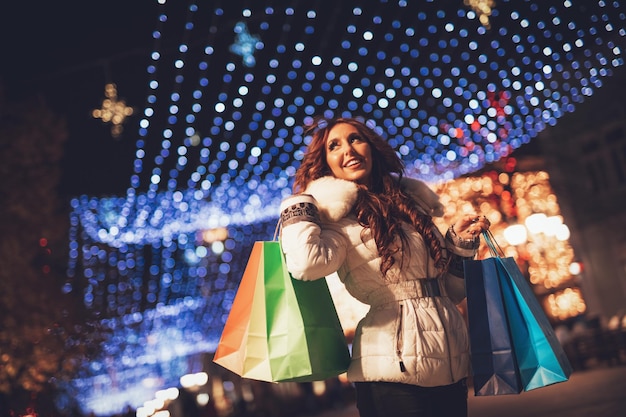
281, 329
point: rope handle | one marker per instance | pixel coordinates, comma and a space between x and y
495, 249
277, 230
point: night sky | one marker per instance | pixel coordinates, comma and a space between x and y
66, 51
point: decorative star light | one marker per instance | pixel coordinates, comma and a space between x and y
245, 44
113, 110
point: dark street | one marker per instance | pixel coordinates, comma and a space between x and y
597, 392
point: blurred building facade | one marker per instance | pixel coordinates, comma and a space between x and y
585, 156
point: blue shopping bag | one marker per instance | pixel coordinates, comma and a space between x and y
540, 357
493, 360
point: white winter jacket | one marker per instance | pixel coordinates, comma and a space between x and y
413, 333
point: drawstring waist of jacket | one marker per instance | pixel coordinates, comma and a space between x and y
405, 290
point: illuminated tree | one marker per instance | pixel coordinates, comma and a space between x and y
44, 333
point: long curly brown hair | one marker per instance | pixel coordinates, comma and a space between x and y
381, 207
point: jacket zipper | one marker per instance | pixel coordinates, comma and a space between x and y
399, 341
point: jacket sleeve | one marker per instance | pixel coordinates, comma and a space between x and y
312, 249
458, 250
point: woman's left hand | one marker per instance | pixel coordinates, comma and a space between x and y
470, 226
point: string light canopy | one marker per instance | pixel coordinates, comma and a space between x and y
220, 137
229, 90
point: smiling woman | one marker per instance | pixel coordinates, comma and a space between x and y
375, 230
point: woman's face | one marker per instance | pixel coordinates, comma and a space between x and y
348, 154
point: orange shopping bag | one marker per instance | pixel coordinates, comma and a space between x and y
232, 351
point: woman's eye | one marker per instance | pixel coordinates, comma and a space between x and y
332, 146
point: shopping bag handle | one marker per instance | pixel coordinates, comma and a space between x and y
495, 249
277, 230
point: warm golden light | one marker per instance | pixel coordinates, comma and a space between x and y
483, 9
536, 222
515, 234
526, 222
319, 388
565, 304
214, 235
113, 110
575, 268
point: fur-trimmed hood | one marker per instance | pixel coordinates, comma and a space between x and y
336, 197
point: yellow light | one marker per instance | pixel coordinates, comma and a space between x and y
614, 323
565, 304
214, 235
562, 232
113, 110
553, 223
483, 9
575, 268
319, 388
515, 234
536, 222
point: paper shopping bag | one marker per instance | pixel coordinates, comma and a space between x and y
540, 356
281, 329
493, 361
242, 347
